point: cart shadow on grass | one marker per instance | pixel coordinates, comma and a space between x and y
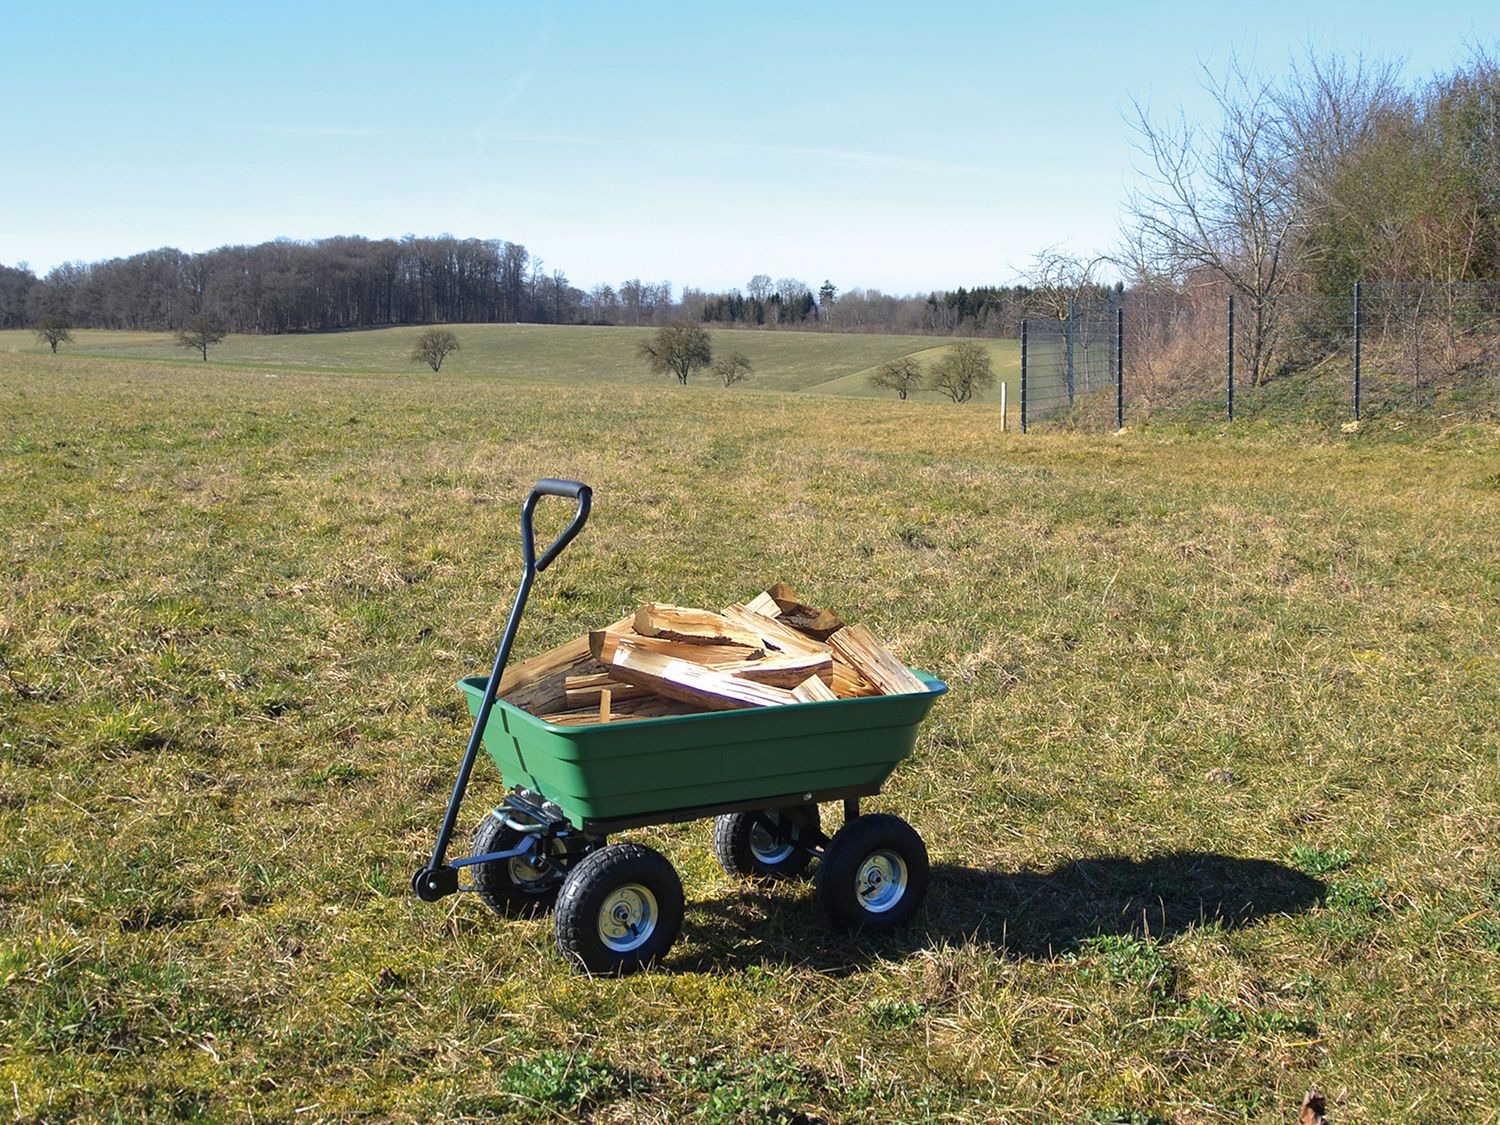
1031, 915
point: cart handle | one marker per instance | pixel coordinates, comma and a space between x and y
550, 486
437, 878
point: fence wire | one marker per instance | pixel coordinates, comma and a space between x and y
1072, 372
1378, 351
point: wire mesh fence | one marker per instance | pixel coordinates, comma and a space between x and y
1071, 367
1378, 351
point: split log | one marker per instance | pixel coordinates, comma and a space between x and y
848, 683
812, 690
820, 624
538, 684
584, 691
649, 707
781, 671
773, 634
691, 626
872, 660
764, 604
604, 642
691, 683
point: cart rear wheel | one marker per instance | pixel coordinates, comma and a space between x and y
743, 844
874, 874
523, 884
620, 910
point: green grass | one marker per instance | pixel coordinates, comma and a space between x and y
1212, 805
826, 362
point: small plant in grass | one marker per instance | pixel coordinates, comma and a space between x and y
559, 1079
891, 1014
1125, 958
1321, 861
1357, 896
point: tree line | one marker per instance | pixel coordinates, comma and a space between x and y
353, 282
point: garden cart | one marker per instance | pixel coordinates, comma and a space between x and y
760, 772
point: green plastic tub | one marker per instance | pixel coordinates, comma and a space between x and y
648, 769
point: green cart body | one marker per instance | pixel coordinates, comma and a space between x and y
612, 775
760, 772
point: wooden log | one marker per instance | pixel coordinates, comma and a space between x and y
764, 605
819, 624
781, 671
812, 690
691, 683
650, 707
606, 700
537, 684
584, 691
872, 660
695, 654
773, 634
691, 626
848, 683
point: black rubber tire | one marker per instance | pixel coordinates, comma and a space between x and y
740, 843
874, 874
507, 886
606, 897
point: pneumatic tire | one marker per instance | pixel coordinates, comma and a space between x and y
744, 845
874, 874
620, 910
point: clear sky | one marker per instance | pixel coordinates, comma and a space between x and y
899, 146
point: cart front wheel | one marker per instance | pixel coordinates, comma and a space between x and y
524, 884
620, 910
874, 874
770, 843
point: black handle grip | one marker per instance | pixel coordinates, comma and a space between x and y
572, 489
568, 489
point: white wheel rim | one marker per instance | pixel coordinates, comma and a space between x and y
766, 848
880, 883
627, 918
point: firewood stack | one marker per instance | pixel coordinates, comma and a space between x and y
671, 660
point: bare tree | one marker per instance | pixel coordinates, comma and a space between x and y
433, 346
1056, 277
1223, 203
732, 368
200, 333
962, 372
760, 287
680, 348
902, 375
53, 329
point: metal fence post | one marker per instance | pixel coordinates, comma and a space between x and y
1023, 376
1068, 338
1230, 383
1356, 350
1119, 368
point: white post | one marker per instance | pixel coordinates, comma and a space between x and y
1003, 386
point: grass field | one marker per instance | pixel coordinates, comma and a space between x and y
826, 363
1212, 804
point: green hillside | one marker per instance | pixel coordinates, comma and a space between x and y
825, 362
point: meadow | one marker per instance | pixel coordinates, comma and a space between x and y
1212, 804
820, 362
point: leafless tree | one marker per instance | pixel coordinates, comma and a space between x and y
962, 372
433, 346
732, 368
902, 375
200, 333
1222, 203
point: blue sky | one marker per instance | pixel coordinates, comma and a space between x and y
898, 146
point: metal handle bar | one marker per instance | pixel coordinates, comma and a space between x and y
550, 487
438, 879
